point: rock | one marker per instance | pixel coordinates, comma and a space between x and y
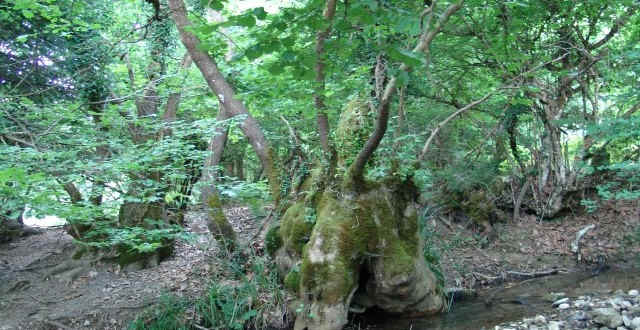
564, 306
607, 316
634, 293
619, 303
621, 328
626, 320
539, 319
579, 303
634, 311
560, 301
554, 325
635, 323
579, 316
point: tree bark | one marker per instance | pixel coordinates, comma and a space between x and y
226, 95
318, 94
217, 222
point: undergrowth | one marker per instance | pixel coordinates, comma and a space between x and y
251, 293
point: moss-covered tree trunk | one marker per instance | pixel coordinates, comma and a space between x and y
343, 240
341, 249
353, 243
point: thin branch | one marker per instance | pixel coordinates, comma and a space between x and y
427, 144
356, 170
435, 131
616, 27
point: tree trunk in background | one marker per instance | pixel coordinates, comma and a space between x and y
217, 222
226, 95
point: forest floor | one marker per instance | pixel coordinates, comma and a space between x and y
533, 247
102, 296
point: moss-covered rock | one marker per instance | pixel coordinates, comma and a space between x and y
292, 280
296, 227
273, 240
479, 208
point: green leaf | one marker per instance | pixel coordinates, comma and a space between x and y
407, 57
246, 21
260, 13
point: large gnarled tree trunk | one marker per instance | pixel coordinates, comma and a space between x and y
345, 240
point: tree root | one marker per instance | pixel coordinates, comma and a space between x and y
73, 269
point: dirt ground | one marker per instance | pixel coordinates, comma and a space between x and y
532, 246
102, 296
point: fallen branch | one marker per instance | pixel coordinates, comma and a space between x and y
532, 275
485, 277
575, 245
57, 324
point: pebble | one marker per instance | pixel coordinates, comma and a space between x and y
554, 325
617, 310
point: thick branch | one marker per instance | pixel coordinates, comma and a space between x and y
226, 95
616, 27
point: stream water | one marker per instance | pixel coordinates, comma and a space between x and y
524, 299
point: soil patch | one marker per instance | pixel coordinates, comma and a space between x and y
532, 246
100, 295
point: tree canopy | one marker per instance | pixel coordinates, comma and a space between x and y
119, 116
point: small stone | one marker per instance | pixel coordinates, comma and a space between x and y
621, 328
539, 319
580, 316
634, 293
626, 320
564, 306
554, 325
87, 323
608, 317
635, 323
560, 301
579, 303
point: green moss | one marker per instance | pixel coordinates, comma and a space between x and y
478, 206
352, 131
273, 240
295, 230
292, 280
219, 225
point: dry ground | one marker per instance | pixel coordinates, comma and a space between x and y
101, 296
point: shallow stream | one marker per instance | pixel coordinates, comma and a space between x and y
513, 302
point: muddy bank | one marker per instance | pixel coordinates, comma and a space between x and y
555, 298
